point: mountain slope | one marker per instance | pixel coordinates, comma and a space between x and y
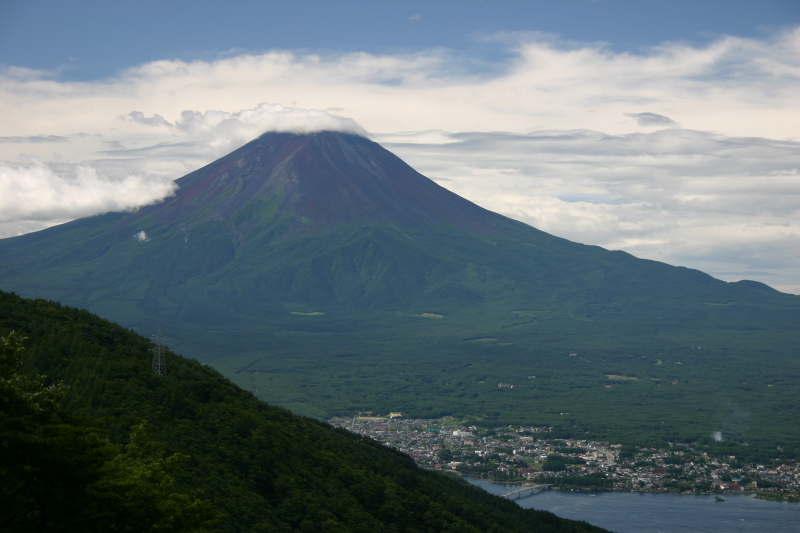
267, 469
324, 274
328, 219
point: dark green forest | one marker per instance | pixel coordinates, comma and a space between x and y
94, 440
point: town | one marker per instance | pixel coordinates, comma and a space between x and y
529, 454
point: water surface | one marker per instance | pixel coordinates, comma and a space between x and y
641, 512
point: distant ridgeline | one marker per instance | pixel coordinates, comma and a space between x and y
264, 468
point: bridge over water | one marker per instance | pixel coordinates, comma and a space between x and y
524, 492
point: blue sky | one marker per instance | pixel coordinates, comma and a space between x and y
92, 39
666, 129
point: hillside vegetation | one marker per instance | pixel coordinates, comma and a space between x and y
207, 448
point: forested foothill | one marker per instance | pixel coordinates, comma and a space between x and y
94, 440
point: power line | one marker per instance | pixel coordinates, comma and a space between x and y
158, 354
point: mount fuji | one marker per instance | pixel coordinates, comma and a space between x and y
324, 274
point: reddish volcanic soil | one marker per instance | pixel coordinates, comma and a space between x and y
327, 179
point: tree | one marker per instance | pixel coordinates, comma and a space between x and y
61, 473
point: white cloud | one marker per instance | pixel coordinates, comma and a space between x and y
587, 158
734, 86
233, 129
197, 138
34, 192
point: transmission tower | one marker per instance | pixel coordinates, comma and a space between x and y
158, 354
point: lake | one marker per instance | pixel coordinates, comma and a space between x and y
642, 512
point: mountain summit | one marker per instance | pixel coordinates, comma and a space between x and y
324, 180
326, 275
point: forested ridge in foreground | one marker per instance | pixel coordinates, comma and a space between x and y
250, 466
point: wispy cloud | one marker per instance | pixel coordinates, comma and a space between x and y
155, 120
35, 139
652, 119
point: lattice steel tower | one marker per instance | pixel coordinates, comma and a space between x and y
158, 354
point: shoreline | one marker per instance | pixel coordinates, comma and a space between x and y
788, 497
